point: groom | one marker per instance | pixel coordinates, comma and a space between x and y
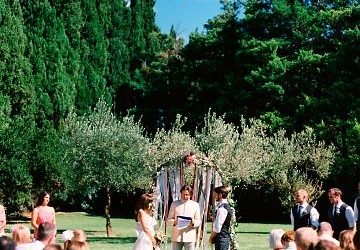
220, 235
184, 216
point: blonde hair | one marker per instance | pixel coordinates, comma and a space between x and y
304, 193
346, 240
287, 237
21, 234
79, 235
275, 238
305, 237
53, 247
77, 245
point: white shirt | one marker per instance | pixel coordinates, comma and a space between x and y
36, 245
187, 208
291, 246
356, 210
220, 216
329, 238
349, 214
314, 214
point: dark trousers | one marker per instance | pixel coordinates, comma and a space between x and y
222, 243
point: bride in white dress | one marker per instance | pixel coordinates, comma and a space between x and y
145, 224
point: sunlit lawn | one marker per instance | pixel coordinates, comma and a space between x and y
250, 236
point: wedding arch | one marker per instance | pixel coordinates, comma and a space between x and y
198, 172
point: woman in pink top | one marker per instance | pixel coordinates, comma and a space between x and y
2, 220
42, 213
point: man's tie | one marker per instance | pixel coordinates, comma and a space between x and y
299, 210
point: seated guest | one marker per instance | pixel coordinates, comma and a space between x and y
53, 247
326, 233
46, 233
356, 240
275, 239
305, 237
288, 240
325, 245
76, 245
21, 234
346, 240
73, 235
6, 243
79, 235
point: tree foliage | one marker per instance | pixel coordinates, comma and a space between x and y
289, 65
104, 154
255, 157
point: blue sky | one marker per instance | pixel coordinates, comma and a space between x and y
185, 15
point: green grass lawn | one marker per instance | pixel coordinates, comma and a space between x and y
251, 236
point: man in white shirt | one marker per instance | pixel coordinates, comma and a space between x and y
356, 209
326, 233
184, 216
302, 214
341, 215
46, 231
220, 235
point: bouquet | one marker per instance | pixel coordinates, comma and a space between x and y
160, 237
67, 235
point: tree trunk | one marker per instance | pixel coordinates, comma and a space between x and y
107, 212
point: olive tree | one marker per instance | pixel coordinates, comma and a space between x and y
219, 141
297, 161
252, 155
106, 153
168, 146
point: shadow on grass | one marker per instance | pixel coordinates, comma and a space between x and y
112, 216
90, 232
112, 240
19, 219
251, 232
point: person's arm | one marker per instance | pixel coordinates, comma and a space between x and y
196, 221
34, 216
356, 211
54, 219
219, 221
141, 219
356, 215
171, 216
314, 217
349, 214
2, 218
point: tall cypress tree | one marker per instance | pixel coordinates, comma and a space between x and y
71, 15
48, 53
16, 109
143, 30
94, 58
15, 71
118, 34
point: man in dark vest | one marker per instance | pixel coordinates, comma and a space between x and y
220, 235
302, 214
341, 216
